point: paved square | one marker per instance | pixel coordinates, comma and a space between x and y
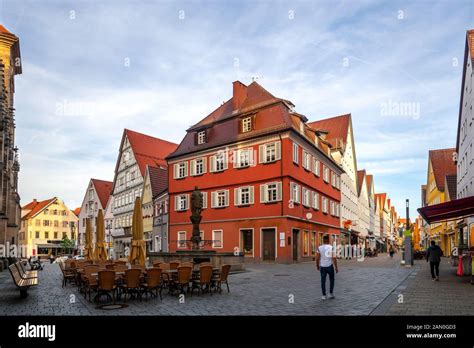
362, 288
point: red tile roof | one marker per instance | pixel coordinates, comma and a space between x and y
77, 211
337, 128
443, 164
360, 179
451, 183
149, 150
4, 30
36, 207
368, 180
158, 180
470, 42
380, 197
103, 189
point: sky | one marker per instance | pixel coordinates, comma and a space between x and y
93, 68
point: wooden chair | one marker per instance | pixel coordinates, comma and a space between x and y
110, 266
174, 264
221, 278
140, 267
183, 279
131, 283
89, 282
157, 263
68, 274
203, 283
22, 284
120, 262
106, 285
153, 282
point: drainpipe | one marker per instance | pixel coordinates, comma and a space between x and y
281, 171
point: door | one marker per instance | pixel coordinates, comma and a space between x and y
295, 244
269, 239
246, 237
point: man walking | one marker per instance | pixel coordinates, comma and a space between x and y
433, 254
326, 263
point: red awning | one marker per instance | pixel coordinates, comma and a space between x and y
457, 208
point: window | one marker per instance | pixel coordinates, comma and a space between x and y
332, 209
182, 202
270, 192
337, 210
37, 234
64, 235
181, 170
217, 239
55, 212
46, 211
244, 195
46, 235
204, 201
218, 162
325, 173
182, 239
270, 152
333, 179
316, 200
220, 199
56, 223
198, 166
316, 167
55, 235
46, 222
201, 137
306, 161
246, 124
64, 224
306, 197
295, 153
243, 158
325, 205
295, 192
38, 222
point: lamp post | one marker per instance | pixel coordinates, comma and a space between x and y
408, 254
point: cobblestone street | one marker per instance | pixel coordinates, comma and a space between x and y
362, 288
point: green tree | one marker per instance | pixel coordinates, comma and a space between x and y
67, 244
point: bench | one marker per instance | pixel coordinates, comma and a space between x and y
21, 283
26, 274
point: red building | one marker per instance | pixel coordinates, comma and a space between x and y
271, 189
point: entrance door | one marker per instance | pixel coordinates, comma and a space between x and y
296, 243
269, 239
246, 238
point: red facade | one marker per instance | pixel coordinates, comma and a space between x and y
257, 199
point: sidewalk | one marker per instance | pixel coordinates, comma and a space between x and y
451, 295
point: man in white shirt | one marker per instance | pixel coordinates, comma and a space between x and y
326, 263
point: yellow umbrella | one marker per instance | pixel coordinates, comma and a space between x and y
137, 254
89, 251
100, 252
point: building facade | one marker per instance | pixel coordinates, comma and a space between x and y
136, 152
44, 224
363, 206
95, 199
271, 189
10, 209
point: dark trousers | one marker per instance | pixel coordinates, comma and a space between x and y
324, 272
434, 268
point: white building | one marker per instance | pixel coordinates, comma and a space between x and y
465, 135
96, 198
363, 204
136, 152
341, 137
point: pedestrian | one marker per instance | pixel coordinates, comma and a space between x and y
433, 255
326, 263
391, 251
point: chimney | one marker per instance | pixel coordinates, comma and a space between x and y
239, 94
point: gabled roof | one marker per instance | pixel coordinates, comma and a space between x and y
360, 180
36, 207
149, 150
368, 180
443, 164
337, 128
103, 189
380, 197
451, 182
158, 180
77, 211
4, 30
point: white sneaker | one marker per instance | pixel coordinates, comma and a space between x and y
324, 297
331, 296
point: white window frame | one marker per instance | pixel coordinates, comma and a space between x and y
315, 201
194, 166
306, 197
325, 174
264, 152
316, 167
333, 179
201, 137
238, 195
264, 193
215, 198
178, 200
306, 160
247, 154
214, 239
332, 209
324, 205
295, 192
180, 233
247, 124
295, 153
214, 161
204, 200
177, 170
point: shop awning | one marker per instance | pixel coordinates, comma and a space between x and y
49, 246
455, 209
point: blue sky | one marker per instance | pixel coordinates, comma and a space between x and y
92, 68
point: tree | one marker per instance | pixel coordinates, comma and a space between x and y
67, 244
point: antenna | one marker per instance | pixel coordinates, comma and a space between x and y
256, 77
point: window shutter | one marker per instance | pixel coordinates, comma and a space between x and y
263, 190
240, 123
176, 203
261, 154
236, 196
175, 170
236, 155
254, 117
213, 199
251, 195
227, 198
212, 164
196, 138
279, 191
251, 157
186, 205
204, 200
278, 150
226, 160
186, 168
193, 167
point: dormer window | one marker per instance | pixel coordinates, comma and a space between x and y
301, 127
246, 124
201, 137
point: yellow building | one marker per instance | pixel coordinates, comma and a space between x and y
440, 165
44, 224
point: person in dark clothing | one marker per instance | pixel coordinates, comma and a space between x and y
391, 251
433, 255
